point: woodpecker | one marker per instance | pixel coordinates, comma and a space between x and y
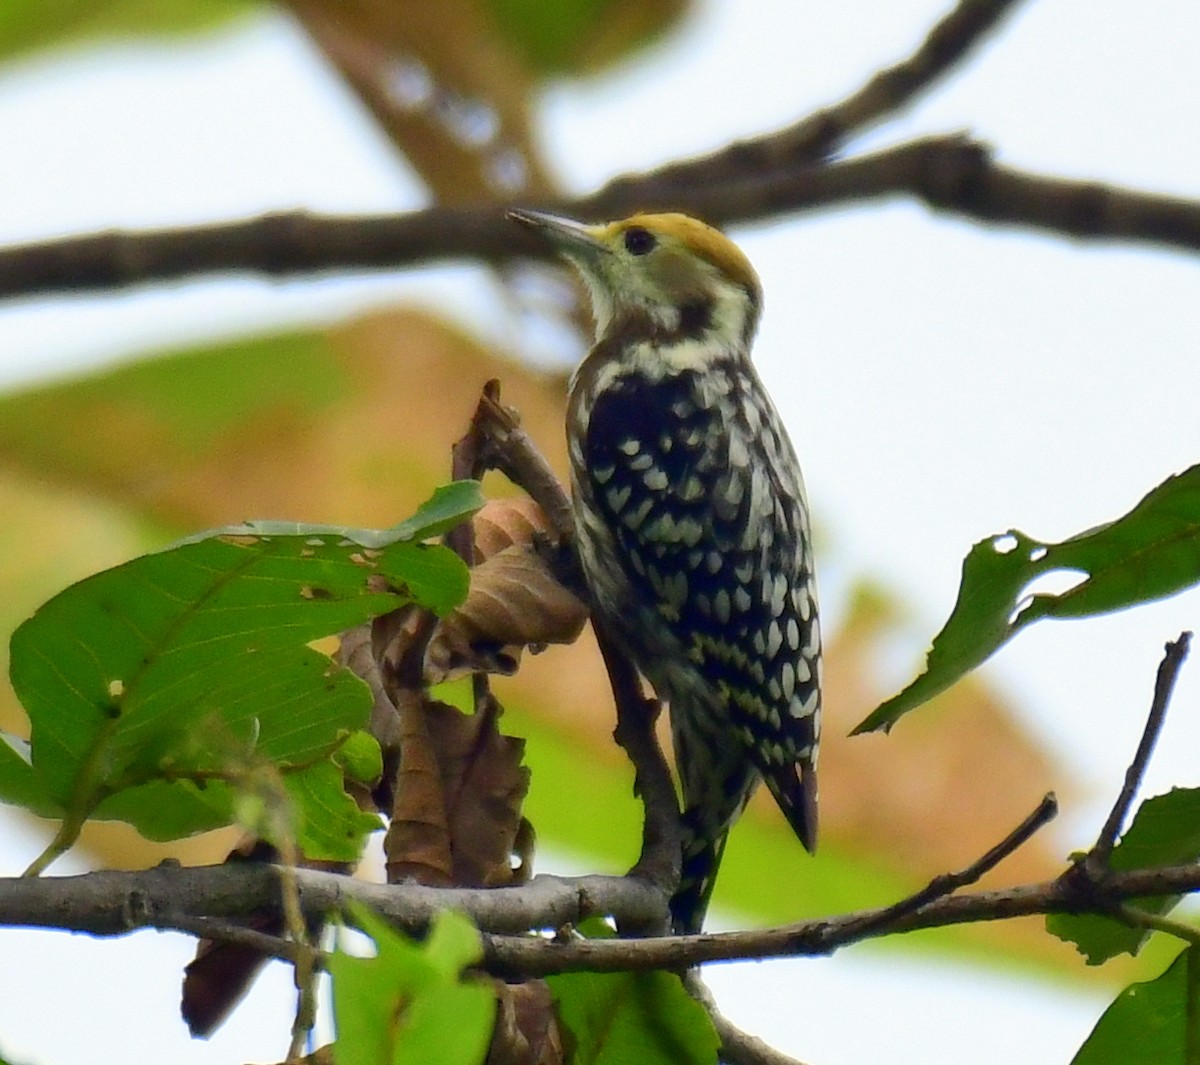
692, 523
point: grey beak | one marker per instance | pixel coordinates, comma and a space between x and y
567, 235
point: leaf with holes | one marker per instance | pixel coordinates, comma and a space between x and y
194, 663
1148, 554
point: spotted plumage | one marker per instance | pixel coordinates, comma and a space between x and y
692, 524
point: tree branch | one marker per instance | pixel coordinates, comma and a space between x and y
297, 243
825, 935
747, 181
953, 174
173, 898
662, 840
497, 441
113, 903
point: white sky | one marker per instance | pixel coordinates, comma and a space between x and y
940, 384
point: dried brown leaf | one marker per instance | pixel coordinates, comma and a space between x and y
526, 1031
220, 974
418, 842
514, 602
501, 523
484, 785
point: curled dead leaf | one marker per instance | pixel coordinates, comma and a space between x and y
515, 602
500, 523
418, 842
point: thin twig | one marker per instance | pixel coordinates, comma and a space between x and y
1096, 862
271, 946
826, 130
1154, 922
948, 883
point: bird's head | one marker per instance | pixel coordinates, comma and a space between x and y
666, 273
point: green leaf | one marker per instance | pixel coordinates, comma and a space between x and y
410, 1002
572, 35
453, 944
616, 1018
1151, 1023
30, 24
1150, 553
360, 758
19, 783
450, 505
194, 660
165, 810
1165, 831
329, 824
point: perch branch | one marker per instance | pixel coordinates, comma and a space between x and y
172, 898
662, 841
502, 444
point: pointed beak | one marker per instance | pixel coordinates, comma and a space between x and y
566, 235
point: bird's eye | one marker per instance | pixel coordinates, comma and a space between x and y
639, 241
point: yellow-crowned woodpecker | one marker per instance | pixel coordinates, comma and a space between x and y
692, 523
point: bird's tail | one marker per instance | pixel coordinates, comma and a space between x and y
702, 853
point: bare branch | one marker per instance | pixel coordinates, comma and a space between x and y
172, 898
948, 883
890, 90
820, 134
167, 897
1098, 857
497, 441
502, 444
742, 1048
296, 243
952, 174
824, 936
